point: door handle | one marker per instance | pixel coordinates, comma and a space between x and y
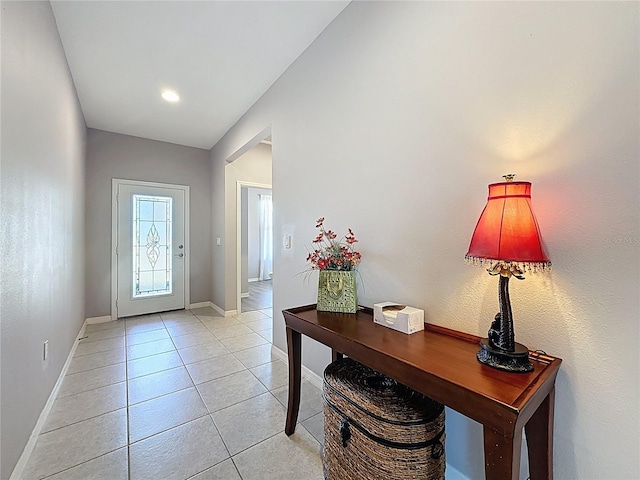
179, 255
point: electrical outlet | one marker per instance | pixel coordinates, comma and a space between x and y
45, 351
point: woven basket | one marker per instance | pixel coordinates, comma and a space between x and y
376, 428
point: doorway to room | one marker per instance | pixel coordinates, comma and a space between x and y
249, 167
255, 239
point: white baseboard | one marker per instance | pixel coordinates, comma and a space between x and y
251, 280
31, 443
217, 308
244, 295
199, 305
107, 318
227, 313
104, 318
311, 376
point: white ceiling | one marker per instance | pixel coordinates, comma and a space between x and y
219, 56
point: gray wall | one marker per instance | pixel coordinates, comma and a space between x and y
111, 155
394, 121
42, 202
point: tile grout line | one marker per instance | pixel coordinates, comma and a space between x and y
175, 349
88, 418
298, 424
170, 428
81, 463
126, 377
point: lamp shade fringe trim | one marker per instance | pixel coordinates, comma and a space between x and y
490, 263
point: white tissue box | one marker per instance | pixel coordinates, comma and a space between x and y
399, 317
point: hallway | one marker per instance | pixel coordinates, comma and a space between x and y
178, 395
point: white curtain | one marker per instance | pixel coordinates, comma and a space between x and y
266, 238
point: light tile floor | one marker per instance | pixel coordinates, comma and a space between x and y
178, 395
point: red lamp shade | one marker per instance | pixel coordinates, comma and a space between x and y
507, 230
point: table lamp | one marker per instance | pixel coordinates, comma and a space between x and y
507, 241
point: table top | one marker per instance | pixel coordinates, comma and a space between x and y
439, 362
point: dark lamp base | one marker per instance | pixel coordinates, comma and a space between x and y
517, 361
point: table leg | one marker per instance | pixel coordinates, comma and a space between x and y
539, 430
335, 355
501, 455
294, 348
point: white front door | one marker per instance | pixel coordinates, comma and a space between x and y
151, 251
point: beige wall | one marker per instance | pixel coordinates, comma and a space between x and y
393, 123
111, 155
42, 204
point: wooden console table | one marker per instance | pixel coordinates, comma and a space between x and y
441, 363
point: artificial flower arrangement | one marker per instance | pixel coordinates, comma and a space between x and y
331, 254
336, 260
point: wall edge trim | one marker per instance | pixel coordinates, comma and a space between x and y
224, 313
102, 319
200, 305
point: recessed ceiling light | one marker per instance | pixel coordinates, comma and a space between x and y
170, 96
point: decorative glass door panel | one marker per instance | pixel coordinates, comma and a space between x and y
152, 248
151, 251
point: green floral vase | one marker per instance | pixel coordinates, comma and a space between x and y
337, 291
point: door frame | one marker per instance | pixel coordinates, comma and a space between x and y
115, 183
240, 184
